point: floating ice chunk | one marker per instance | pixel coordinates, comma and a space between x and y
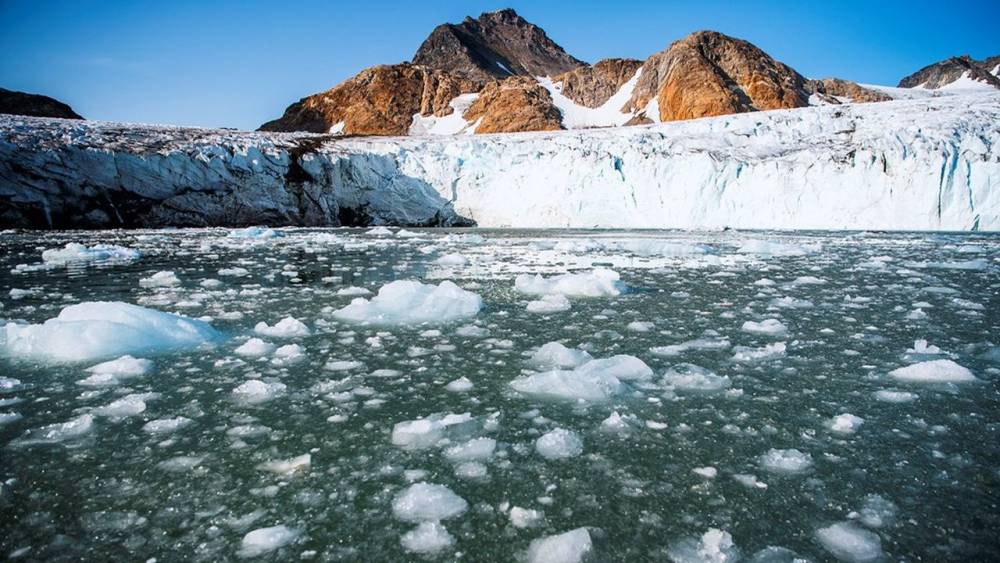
747, 354
255, 391
770, 248
427, 432
180, 463
427, 538
299, 464
640, 326
353, 291
165, 278
549, 304
472, 331
403, 233
379, 232
8, 417
887, 396
845, 423
922, 347
556, 355
236, 272
770, 327
288, 354
877, 512
785, 462
714, 546
7, 383
934, 371
790, 303
808, 280
266, 540
622, 367
59, 432
95, 330
427, 502
851, 543
597, 283
254, 233
568, 385
166, 425
697, 344
130, 405
694, 379
452, 260
474, 450
288, 327
125, 366
706, 472
74, 253
525, 517
459, 385
559, 444
979, 264
568, 547
412, 302
749, 481
617, 424
254, 348
471, 470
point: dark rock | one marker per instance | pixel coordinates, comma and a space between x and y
34, 105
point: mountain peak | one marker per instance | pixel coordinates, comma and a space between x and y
943, 73
494, 45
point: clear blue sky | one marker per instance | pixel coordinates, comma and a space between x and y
239, 63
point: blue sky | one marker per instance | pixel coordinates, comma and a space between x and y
239, 63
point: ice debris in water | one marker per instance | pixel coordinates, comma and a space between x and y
597, 283
75, 253
771, 248
691, 378
412, 302
933, 371
299, 464
785, 462
266, 540
130, 405
427, 432
559, 444
557, 355
623, 367
254, 348
888, 396
770, 327
59, 432
525, 517
254, 233
851, 543
748, 354
113, 371
427, 538
161, 279
549, 304
459, 385
255, 391
94, 330
166, 425
846, 423
452, 260
288, 327
714, 546
427, 502
567, 547
477, 449
574, 385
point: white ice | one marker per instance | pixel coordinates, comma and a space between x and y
851, 543
933, 371
411, 302
597, 283
266, 540
559, 444
567, 547
427, 502
785, 462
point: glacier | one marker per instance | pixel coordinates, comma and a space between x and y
929, 163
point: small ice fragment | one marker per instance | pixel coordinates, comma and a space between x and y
549, 304
459, 385
166, 425
706, 472
851, 543
934, 371
770, 327
255, 391
427, 502
785, 462
426, 432
287, 466
477, 449
559, 444
525, 517
254, 348
556, 355
597, 283
714, 546
160, 279
427, 538
622, 367
568, 547
288, 327
411, 302
266, 540
846, 423
452, 260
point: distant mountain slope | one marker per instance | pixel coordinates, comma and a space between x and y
500, 74
496, 45
955, 72
34, 105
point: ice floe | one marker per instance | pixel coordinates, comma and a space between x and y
933, 371
412, 302
597, 283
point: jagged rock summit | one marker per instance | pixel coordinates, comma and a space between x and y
500, 73
956, 72
34, 105
496, 45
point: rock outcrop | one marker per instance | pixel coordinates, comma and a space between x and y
708, 73
943, 73
591, 86
34, 105
378, 101
518, 103
496, 45
833, 89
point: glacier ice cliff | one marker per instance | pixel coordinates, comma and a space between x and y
924, 164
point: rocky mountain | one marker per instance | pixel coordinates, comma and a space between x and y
961, 71
34, 105
496, 45
500, 74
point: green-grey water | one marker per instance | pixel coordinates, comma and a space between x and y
920, 474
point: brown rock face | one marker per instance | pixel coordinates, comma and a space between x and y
34, 105
476, 48
518, 103
591, 86
949, 70
830, 87
378, 101
708, 73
